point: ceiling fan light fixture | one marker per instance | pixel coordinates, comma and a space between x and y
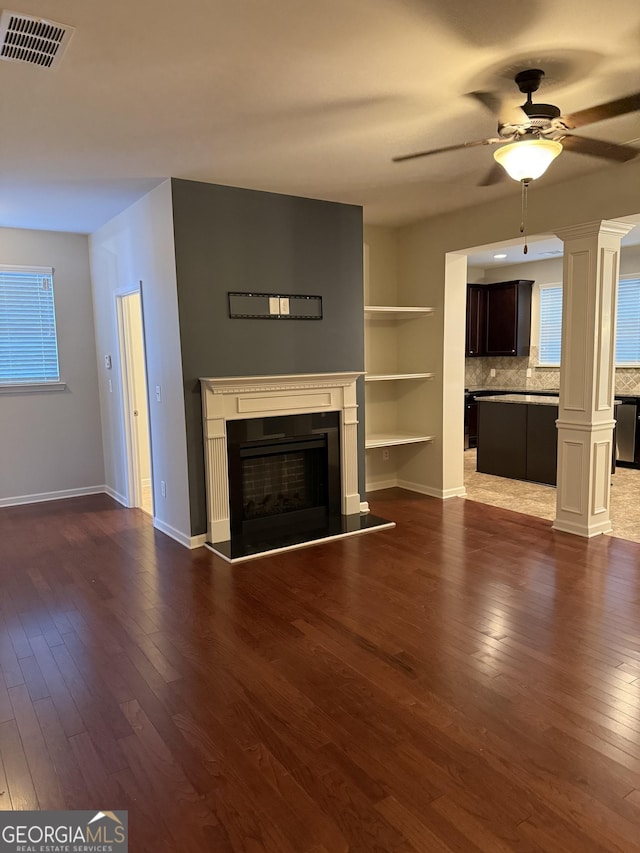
527, 159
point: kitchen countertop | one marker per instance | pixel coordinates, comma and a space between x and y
471, 389
531, 399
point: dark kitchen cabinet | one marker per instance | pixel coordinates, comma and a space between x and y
476, 319
499, 318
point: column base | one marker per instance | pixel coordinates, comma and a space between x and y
578, 528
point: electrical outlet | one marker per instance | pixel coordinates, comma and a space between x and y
163, 488
385, 454
529, 373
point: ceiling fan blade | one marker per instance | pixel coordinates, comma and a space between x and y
599, 148
495, 175
507, 115
473, 144
620, 107
489, 100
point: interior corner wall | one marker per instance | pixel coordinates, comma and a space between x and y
605, 194
51, 444
137, 246
229, 239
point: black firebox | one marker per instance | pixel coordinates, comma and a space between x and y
284, 473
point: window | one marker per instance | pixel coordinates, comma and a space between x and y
627, 324
28, 342
550, 325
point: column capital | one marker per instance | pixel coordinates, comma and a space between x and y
606, 227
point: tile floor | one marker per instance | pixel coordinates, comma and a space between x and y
538, 500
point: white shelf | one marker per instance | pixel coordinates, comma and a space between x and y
390, 439
389, 377
400, 311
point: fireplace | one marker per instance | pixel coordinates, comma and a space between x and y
281, 462
284, 472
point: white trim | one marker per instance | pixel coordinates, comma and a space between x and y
40, 497
168, 530
299, 545
26, 269
364, 507
31, 387
441, 494
116, 496
122, 321
197, 541
378, 485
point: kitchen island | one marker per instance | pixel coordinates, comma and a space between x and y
517, 437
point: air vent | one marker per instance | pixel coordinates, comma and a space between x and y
36, 41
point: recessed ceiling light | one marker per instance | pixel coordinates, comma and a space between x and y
499, 257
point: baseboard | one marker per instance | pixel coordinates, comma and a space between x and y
116, 496
442, 494
381, 484
364, 506
190, 542
52, 496
168, 530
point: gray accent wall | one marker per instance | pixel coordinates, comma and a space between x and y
229, 239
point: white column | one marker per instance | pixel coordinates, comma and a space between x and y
585, 422
349, 443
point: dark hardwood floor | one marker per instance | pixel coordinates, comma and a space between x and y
468, 681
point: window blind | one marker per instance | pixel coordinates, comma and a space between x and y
628, 323
28, 341
550, 325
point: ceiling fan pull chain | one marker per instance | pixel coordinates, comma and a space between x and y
523, 217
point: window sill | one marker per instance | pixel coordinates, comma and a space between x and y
33, 387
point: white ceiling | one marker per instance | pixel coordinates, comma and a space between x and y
297, 97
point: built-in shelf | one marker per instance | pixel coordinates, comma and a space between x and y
398, 311
387, 377
390, 439
398, 387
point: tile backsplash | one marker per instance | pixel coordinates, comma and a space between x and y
511, 372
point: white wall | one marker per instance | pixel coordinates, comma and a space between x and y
606, 194
138, 245
51, 443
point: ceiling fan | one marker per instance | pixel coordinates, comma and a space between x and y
534, 134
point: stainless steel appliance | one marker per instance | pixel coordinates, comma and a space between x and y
628, 432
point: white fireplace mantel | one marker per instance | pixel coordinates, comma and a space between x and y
242, 397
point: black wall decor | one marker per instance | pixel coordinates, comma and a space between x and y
274, 306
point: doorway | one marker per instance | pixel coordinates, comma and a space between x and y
135, 400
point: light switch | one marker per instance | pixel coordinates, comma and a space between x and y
110, 387
158, 394
274, 305
284, 305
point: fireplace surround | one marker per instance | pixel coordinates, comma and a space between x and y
230, 399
